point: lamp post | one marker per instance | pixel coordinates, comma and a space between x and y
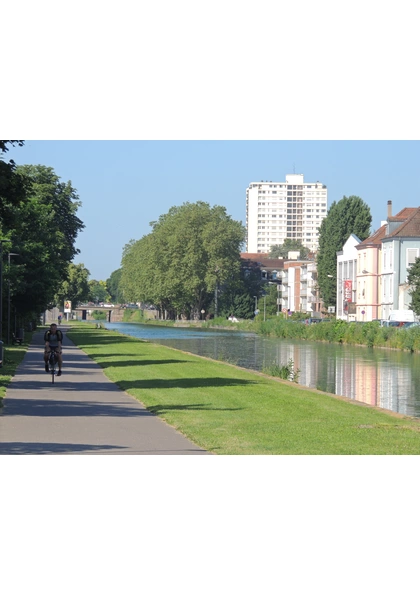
216, 288
1, 287
256, 303
8, 297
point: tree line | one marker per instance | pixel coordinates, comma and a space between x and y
39, 225
190, 262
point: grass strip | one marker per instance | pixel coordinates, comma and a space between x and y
228, 410
12, 357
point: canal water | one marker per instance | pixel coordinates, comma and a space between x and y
385, 378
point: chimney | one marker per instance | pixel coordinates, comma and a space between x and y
389, 208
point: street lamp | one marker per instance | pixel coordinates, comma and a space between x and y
1, 289
216, 289
8, 297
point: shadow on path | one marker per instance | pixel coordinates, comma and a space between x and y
21, 447
58, 408
61, 384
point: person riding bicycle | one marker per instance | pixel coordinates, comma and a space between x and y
53, 339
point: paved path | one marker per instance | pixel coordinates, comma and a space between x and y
82, 413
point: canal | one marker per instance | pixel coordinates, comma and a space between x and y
385, 378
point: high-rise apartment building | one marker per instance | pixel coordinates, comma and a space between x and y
276, 211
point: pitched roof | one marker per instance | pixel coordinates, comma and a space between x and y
262, 260
410, 227
403, 214
374, 239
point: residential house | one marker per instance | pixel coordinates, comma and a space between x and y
346, 280
383, 261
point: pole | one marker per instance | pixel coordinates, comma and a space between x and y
8, 296
8, 306
264, 308
1, 289
216, 288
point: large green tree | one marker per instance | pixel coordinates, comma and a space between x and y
14, 189
98, 292
348, 215
192, 251
113, 286
44, 232
76, 287
289, 245
413, 279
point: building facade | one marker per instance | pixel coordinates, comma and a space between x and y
346, 280
383, 263
276, 211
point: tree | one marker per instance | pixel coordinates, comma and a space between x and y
44, 232
4, 144
14, 188
76, 287
413, 279
192, 251
112, 286
98, 292
349, 215
238, 298
289, 245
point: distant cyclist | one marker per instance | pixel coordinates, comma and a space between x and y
53, 339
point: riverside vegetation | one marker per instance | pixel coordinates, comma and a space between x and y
370, 334
12, 357
228, 410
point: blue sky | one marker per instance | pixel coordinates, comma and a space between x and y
123, 185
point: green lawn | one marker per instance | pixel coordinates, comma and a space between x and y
228, 410
12, 356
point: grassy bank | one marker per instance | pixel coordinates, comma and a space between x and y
227, 410
13, 355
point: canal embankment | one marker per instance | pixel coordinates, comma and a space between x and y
228, 410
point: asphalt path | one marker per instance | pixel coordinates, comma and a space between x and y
83, 412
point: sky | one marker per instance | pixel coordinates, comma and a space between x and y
124, 185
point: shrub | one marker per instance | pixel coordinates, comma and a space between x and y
286, 372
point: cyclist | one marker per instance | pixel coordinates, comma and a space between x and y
53, 338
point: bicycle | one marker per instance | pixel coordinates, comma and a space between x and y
52, 362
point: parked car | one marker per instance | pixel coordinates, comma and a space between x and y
410, 324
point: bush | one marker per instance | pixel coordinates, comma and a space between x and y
286, 372
99, 315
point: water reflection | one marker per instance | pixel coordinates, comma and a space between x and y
380, 377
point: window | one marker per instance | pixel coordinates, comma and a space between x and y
412, 254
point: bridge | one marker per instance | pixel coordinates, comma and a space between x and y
113, 314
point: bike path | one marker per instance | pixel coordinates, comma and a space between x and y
83, 412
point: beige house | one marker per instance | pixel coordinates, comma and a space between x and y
383, 262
